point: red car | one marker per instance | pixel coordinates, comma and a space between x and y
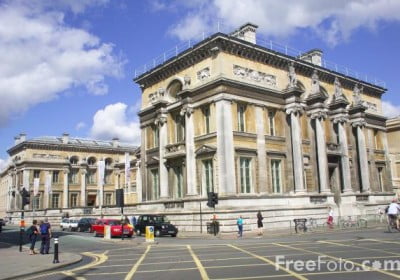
116, 228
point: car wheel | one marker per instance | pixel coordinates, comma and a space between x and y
173, 235
157, 233
138, 233
129, 236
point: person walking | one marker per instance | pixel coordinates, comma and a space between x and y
33, 233
260, 224
330, 218
239, 223
45, 232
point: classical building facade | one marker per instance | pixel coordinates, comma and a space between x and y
61, 175
265, 130
393, 135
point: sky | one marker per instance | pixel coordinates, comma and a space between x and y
67, 66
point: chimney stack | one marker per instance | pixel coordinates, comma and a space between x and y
313, 56
115, 142
65, 138
246, 32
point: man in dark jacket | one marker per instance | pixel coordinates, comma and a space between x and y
45, 232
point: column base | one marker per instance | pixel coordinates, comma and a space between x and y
300, 192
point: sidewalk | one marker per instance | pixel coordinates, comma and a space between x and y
14, 264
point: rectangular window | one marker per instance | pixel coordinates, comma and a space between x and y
36, 202
178, 181
276, 175
108, 199
180, 128
55, 200
208, 180
91, 177
271, 121
206, 113
245, 175
73, 176
107, 177
241, 120
155, 184
74, 200
380, 178
36, 173
156, 136
55, 177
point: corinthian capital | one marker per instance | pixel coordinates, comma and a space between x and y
188, 111
318, 115
359, 123
340, 119
160, 120
295, 109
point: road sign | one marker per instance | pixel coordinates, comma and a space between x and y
149, 234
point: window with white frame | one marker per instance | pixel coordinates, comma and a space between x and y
178, 181
271, 121
276, 175
241, 109
36, 173
179, 128
74, 200
73, 176
108, 199
36, 202
206, 114
380, 178
155, 184
208, 180
91, 176
156, 136
245, 175
55, 200
55, 176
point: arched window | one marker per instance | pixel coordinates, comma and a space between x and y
91, 161
74, 160
108, 162
173, 89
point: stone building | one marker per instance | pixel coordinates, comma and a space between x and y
265, 130
61, 175
393, 135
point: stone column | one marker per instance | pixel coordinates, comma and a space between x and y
225, 149
163, 171
15, 204
345, 154
190, 151
138, 182
297, 147
83, 187
261, 151
9, 191
46, 191
321, 152
362, 155
65, 189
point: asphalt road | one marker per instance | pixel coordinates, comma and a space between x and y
366, 254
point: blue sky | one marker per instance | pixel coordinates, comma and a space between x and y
67, 65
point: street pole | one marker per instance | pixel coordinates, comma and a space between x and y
201, 220
21, 230
122, 223
215, 223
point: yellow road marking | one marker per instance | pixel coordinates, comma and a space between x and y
166, 270
382, 241
200, 267
236, 265
135, 267
277, 266
341, 259
254, 277
359, 247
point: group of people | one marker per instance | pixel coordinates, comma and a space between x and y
260, 224
44, 231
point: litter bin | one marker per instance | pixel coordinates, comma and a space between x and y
213, 227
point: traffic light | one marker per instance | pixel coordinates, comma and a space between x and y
26, 197
212, 199
119, 194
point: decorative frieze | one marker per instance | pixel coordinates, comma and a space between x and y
255, 76
371, 106
157, 96
203, 74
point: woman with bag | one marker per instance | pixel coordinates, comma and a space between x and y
260, 223
32, 235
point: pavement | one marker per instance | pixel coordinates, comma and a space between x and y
15, 264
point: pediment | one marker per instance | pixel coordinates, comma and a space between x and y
206, 149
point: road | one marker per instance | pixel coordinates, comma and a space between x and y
366, 254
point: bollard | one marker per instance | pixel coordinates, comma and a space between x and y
56, 250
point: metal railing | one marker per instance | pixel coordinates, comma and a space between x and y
261, 41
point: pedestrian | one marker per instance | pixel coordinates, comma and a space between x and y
239, 223
45, 233
260, 224
32, 233
133, 220
330, 218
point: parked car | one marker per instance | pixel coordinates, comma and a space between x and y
162, 225
69, 224
85, 224
116, 228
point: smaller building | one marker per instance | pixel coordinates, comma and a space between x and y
67, 175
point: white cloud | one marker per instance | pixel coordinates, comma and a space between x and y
80, 125
116, 120
333, 21
390, 110
4, 163
41, 56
